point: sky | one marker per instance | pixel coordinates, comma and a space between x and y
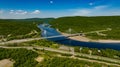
19, 9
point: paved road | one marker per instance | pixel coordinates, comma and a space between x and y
19, 41
98, 31
89, 60
31, 39
66, 52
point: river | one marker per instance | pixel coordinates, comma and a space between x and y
47, 31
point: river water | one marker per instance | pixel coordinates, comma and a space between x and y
47, 31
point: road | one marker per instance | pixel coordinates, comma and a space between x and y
66, 52
89, 60
31, 39
108, 29
19, 41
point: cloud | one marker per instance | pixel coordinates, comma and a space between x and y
91, 4
51, 2
100, 7
18, 12
11, 12
36, 12
82, 12
1, 11
115, 12
90, 11
21, 12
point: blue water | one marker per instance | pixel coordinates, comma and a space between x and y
66, 41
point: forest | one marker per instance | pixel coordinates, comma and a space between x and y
20, 28
110, 53
22, 57
87, 24
26, 58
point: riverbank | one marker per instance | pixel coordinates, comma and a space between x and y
85, 39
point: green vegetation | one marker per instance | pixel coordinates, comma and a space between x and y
44, 43
26, 58
85, 50
67, 62
50, 55
88, 24
102, 52
22, 57
20, 28
27, 28
97, 59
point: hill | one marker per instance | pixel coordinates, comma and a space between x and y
20, 28
88, 24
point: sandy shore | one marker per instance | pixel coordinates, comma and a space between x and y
109, 41
85, 39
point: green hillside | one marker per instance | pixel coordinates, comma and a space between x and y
88, 24
20, 28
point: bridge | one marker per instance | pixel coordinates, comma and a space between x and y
69, 35
76, 34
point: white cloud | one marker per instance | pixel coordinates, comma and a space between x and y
11, 12
100, 7
89, 12
21, 12
91, 4
51, 2
117, 12
36, 12
18, 12
1, 11
82, 12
